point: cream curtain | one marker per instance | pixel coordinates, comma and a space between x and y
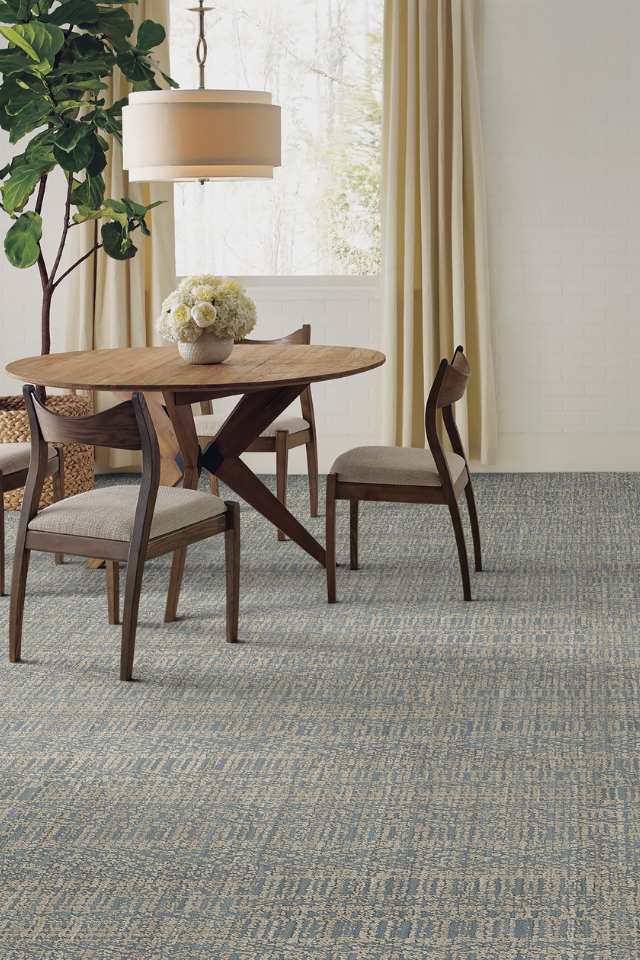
435, 275
116, 303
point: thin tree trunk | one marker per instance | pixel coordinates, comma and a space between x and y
46, 320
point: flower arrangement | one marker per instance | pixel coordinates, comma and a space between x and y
207, 304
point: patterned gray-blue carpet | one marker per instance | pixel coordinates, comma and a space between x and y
401, 775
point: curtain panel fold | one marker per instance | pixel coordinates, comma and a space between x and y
435, 268
115, 303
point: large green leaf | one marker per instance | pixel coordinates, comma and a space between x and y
39, 153
86, 213
149, 83
99, 159
89, 194
115, 24
22, 242
13, 60
110, 120
14, 36
45, 38
116, 210
117, 243
84, 46
30, 118
98, 67
78, 158
40, 149
19, 187
70, 106
16, 11
134, 209
106, 212
150, 34
21, 95
172, 83
40, 41
72, 132
133, 66
75, 12
70, 89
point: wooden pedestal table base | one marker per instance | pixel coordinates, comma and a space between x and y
247, 421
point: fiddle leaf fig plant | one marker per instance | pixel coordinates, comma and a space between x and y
55, 68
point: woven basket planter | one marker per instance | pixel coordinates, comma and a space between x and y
78, 458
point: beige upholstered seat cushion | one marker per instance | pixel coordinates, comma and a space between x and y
393, 465
208, 424
16, 456
108, 513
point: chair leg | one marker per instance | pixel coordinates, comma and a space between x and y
2, 556
214, 485
475, 528
312, 470
175, 584
135, 569
232, 565
58, 493
282, 465
16, 614
462, 550
330, 516
353, 533
113, 591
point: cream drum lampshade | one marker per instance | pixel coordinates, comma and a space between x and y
200, 135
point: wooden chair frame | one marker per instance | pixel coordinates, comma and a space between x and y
448, 387
14, 481
127, 426
283, 441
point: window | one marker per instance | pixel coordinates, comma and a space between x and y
322, 61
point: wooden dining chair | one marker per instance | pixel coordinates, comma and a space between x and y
285, 433
123, 523
410, 475
14, 467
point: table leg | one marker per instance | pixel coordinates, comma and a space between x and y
245, 423
185, 431
244, 482
170, 472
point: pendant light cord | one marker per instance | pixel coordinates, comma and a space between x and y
201, 47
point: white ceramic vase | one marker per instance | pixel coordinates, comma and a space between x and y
206, 349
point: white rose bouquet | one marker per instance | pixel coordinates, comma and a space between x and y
207, 304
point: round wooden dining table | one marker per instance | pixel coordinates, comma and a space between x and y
268, 376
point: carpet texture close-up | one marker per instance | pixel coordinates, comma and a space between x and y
402, 775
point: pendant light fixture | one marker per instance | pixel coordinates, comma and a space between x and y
200, 134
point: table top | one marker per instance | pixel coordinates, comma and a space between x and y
251, 366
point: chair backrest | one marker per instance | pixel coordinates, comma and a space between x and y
128, 426
117, 427
301, 335
449, 386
